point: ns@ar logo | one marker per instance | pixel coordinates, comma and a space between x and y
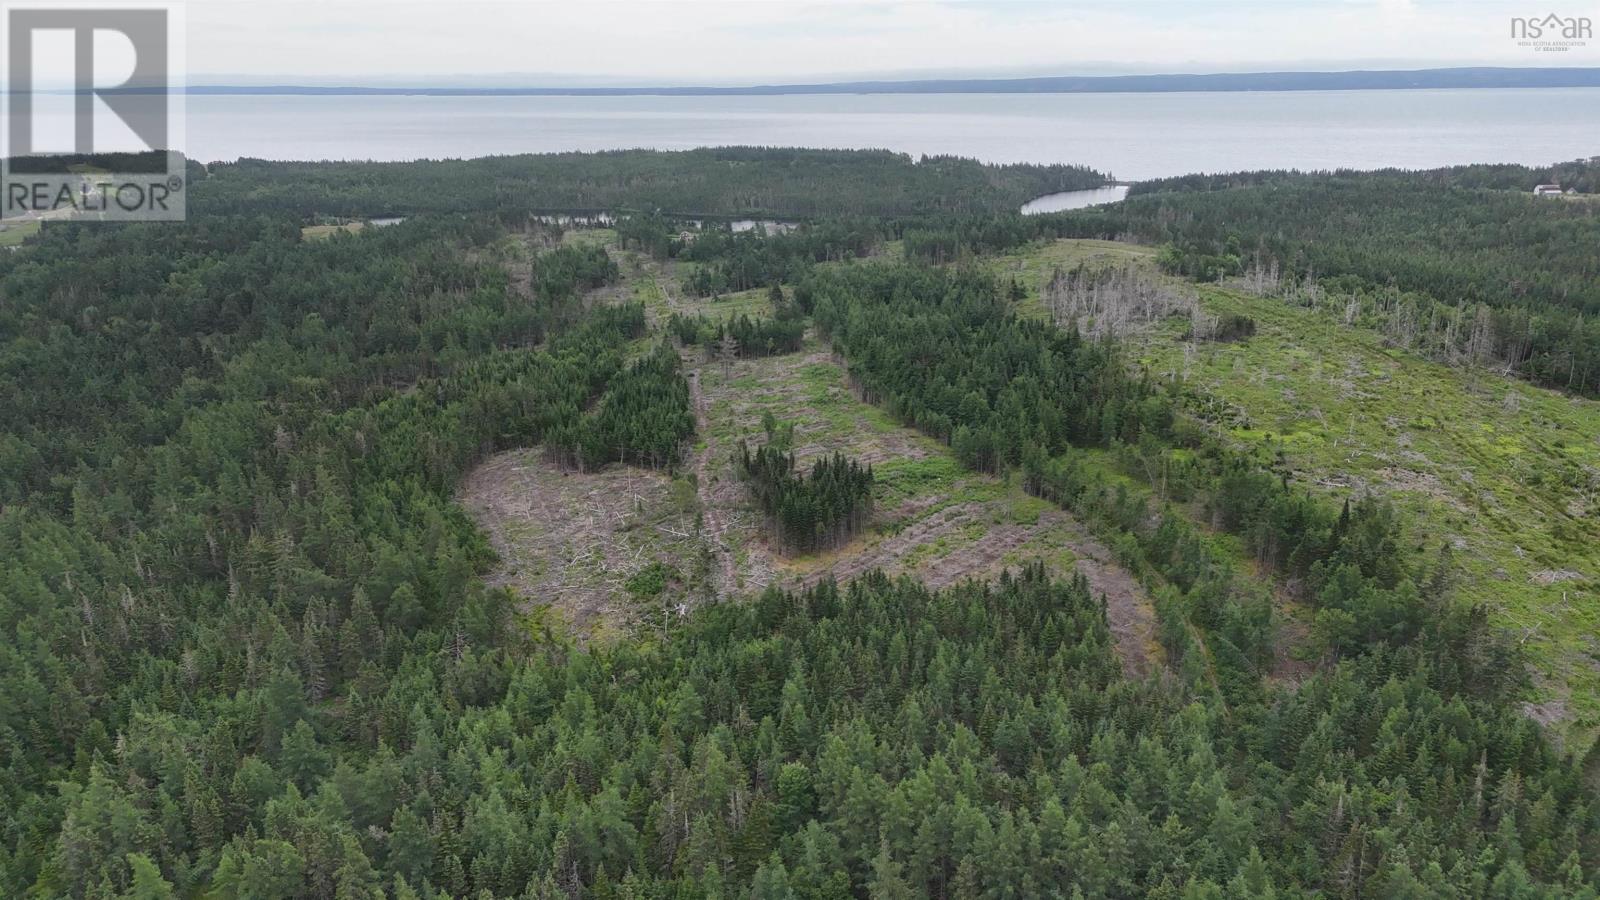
1552, 26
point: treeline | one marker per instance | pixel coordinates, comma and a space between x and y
725, 181
728, 261
1202, 262
807, 511
739, 337
1582, 175
1462, 264
651, 233
942, 351
944, 239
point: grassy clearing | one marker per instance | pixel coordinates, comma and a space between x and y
648, 289
1504, 474
573, 544
324, 232
578, 237
16, 234
753, 303
1032, 266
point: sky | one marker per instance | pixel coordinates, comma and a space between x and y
677, 42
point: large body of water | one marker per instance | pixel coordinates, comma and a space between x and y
1131, 136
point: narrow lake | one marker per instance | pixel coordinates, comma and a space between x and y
1050, 203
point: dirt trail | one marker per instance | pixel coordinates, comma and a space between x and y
1129, 612
712, 522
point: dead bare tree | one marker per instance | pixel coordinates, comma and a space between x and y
727, 351
1114, 300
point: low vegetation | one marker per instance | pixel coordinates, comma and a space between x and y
1492, 471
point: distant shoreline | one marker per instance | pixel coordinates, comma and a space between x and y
1363, 80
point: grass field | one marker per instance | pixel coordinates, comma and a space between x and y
754, 303
324, 232
1033, 266
1506, 474
16, 234
577, 237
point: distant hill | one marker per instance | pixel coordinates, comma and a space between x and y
1375, 80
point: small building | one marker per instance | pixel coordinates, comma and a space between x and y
1546, 190
686, 236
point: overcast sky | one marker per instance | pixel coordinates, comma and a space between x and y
761, 41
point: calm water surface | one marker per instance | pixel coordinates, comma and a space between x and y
1130, 136
1050, 203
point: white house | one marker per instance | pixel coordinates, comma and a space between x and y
1543, 190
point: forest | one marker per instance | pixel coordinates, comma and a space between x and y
728, 182
251, 652
808, 510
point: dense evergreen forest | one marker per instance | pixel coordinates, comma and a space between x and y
642, 418
725, 181
228, 529
740, 336
1580, 175
808, 510
250, 655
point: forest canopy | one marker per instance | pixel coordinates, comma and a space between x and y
251, 651
724, 181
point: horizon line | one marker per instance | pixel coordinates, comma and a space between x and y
1453, 77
